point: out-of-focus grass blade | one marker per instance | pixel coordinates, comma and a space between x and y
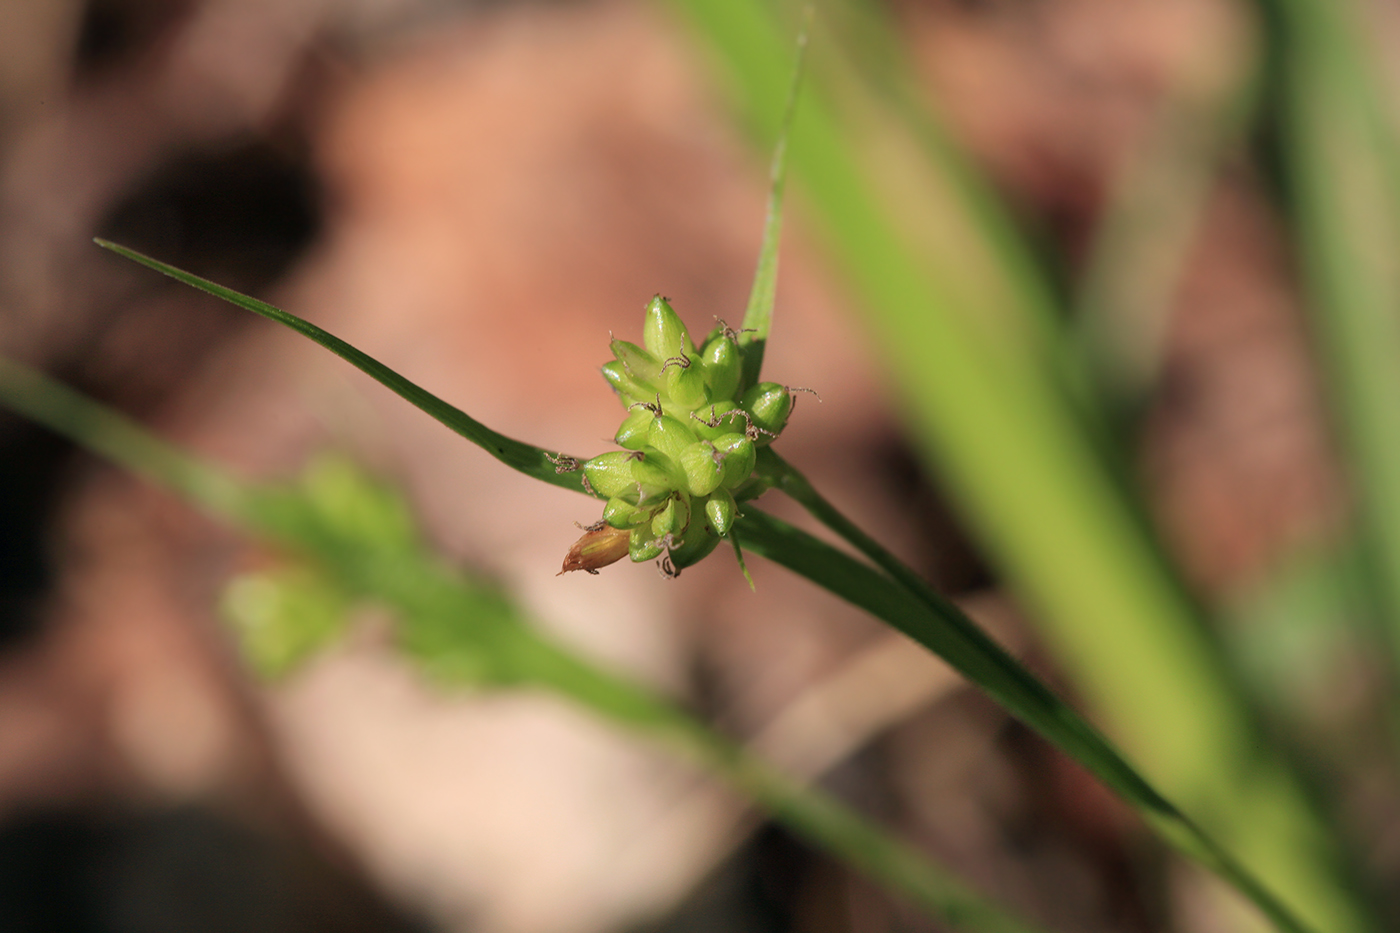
74, 416
960, 319
955, 638
1341, 159
758, 316
1149, 222
530, 460
1298, 636
361, 544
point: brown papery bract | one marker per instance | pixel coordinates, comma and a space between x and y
597, 548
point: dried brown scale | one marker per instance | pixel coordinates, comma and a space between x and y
730, 333
563, 463
599, 547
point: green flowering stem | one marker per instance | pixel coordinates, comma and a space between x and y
530, 460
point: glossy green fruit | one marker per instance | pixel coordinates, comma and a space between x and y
720, 512
724, 365
632, 433
643, 544
769, 403
703, 466
611, 475
656, 471
640, 364
625, 385
664, 333
738, 453
670, 435
620, 513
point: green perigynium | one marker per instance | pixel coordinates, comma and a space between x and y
690, 438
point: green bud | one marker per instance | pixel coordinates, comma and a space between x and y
717, 419
738, 452
720, 511
770, 404
703, 468
642, 366
657, 473
664, 333
669, 435
611, 474
620, 513
724, 364
643, 544
633, 432
625, 385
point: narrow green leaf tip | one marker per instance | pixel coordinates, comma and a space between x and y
558, 470
758, 316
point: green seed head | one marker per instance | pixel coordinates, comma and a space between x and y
690, 446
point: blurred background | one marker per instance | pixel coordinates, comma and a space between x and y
477, 194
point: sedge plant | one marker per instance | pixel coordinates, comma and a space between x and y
697, 449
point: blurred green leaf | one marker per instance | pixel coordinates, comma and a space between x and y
758, 316
283, 617
1340, 155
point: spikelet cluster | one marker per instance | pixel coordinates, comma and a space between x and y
689, 442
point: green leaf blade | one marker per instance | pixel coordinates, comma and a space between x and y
945, 630
526, 458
